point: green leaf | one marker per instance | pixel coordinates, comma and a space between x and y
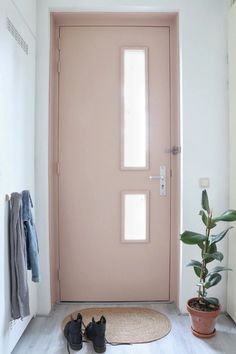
213, 280
201, 245
219, 237
212, 300
205, 202
218, 269
209, 257
228, 215
192, 238
194, 263
212, 224
204, 217
197, 271
197, 266
212, 248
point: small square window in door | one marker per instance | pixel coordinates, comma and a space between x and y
135, 216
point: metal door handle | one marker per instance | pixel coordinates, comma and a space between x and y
156, 177
162, 179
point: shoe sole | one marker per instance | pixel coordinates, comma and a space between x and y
99, 349
96, 349
76, 346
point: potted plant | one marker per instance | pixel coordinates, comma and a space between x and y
204, 310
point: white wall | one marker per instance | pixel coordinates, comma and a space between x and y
204, 114
17, 111
27, 10
231, 305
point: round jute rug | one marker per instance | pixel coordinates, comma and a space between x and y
127, 324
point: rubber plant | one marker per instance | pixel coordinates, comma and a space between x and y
207, 243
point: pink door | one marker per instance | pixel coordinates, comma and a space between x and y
114, 183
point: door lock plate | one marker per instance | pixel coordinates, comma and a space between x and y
163, 181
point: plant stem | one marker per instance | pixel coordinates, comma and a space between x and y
205, 248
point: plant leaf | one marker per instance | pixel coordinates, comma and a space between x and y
209, 257
197, 266
205, 202
204, 217
212, 248
212, 300
197, 271
194, 263
219, 237
228, 215
213, 280
192, 238
201, 245
218, 269
212, 224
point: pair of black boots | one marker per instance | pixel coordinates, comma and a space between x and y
94, 331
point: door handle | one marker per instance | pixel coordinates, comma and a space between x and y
162, 179
156, 177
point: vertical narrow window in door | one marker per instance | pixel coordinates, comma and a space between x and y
135, 109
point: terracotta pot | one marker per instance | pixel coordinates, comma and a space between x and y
203, 322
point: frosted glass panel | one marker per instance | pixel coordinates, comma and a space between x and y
135, 217
135, 108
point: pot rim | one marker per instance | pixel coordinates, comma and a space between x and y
218, 310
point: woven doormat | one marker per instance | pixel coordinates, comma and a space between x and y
127, 324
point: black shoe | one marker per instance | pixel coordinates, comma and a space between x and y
95, 331
73, 333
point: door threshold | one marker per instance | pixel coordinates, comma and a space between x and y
117, 302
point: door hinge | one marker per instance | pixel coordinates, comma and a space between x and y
59, 43
58, 168
174, 150
58, 274
59, 66
59, 55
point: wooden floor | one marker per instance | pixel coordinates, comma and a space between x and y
43, 335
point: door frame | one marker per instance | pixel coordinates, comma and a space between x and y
170, 20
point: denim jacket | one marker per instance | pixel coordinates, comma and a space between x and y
31, 236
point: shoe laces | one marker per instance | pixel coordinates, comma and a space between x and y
68, 347
106, 341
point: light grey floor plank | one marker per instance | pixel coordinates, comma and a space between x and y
43, 335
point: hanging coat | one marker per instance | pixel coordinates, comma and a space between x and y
18, 259
31, 236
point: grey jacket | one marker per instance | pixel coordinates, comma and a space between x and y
18, 259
